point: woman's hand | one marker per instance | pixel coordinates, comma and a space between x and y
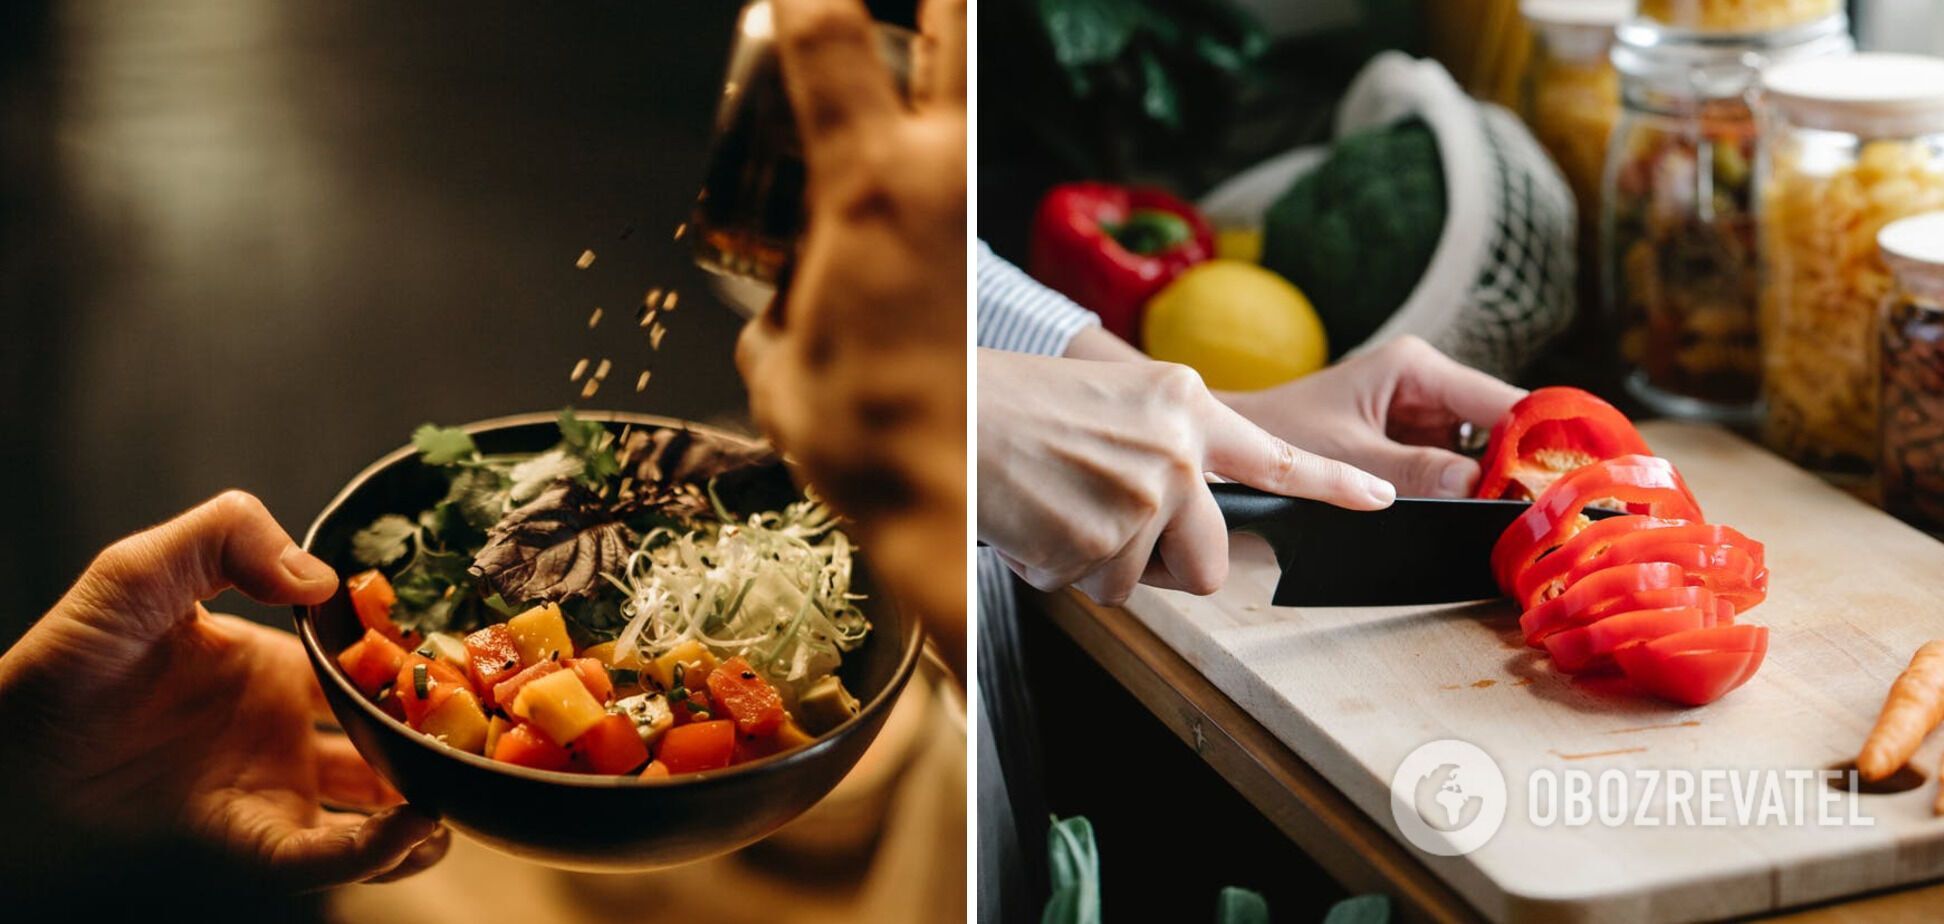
131, 709
858, 370
1087, 469
1394, 411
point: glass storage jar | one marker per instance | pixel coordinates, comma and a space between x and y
1572, 93
1679, 268
1737, 15
1911, 363
1853, 143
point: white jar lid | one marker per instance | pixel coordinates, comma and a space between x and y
1918, 239
1874, 94
1577, 12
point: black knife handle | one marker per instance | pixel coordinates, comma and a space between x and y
1247, 509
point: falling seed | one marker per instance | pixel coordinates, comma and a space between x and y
594, 319
580, 369
669, 303
681, 230
648, 316
586, 260
655, 335
588, 390
601, 371
641, 384
652, 299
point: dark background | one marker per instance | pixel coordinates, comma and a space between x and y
252, 244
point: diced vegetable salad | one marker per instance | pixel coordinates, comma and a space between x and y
651, 601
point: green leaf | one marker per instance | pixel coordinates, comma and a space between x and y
443, 445
587, 441
1075, 866
386, 540
1158, 97
1241, 906
479, 494
1086, 32
1360, 909
535, 474
498, 604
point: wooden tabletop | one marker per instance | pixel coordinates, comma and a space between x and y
1354, 850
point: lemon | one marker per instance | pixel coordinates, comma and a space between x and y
1239, 325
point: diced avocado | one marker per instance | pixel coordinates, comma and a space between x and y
458, 721
442, 646
559, 705
541, 635
825, 705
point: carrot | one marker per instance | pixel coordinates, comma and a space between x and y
1914, 707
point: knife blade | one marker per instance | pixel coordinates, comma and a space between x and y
1417, 550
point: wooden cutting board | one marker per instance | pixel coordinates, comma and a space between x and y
1852, 594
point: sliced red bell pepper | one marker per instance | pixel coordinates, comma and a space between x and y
746, 697
1547, 435
1730, 572
491, 657
439, 681
1589, 646
1636, 484
1110, 248
372, 662
530, 747
1618, 541
1695, 667
698, 746
1603, 592
612, 746
372, 597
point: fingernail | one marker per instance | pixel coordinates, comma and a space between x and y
305, 567
1456, 480
1381, 492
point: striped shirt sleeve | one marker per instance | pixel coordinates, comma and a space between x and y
1019, 315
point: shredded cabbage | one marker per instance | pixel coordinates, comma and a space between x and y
774, 589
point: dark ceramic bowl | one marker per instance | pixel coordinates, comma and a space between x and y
572, 820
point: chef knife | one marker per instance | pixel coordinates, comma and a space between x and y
1417, 550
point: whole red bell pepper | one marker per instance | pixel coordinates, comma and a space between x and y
1547, 434
1110, 248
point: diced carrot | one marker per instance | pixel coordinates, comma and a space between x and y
505, 690
441, 680
594, 676
372, 596
490, 658
372, 661
612, 746
655, 770
529, 747
746, 697
698, 746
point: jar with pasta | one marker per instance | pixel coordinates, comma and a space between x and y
1737, 15
1854, 143
1680, 275
1910, 360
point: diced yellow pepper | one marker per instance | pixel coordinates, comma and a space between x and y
458, 721
791, 735
696, 661
540, 634
495, 727
604, 653
560, 705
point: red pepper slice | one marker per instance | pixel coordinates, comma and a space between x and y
1590, 646
1638, 484
1110, 248
1548, 434
1625, 540
1695, 667
1601, 593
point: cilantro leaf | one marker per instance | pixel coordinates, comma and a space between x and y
443, 445
479, 494
535, 474
587, 440
386, 540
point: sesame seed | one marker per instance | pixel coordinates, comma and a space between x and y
655, 335
681, 230
652, 299
648, 316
